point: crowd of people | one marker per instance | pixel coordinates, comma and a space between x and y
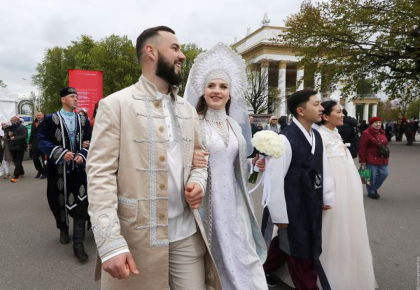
163, 180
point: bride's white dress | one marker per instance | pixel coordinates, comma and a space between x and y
346, 256
233, 246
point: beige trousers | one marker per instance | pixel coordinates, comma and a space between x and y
186, 264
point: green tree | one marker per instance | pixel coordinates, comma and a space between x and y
388, 111
51, 77
114, 55
358, 40
2, 85
413, 109
190, 51
404, 97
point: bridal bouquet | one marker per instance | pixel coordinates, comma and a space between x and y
268, 143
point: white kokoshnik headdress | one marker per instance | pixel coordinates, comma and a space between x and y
221, 62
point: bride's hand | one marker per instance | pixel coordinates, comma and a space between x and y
200, 158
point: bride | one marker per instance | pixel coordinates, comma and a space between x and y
215, 86
346, 255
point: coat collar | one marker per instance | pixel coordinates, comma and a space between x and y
148, 88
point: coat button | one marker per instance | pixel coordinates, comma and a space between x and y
162, 216
162, 158
157, 104
162, 186
161, 129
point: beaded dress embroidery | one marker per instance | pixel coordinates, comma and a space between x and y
218, 121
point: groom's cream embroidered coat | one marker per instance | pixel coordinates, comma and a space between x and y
128, 178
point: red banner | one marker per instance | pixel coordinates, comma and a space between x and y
89, 88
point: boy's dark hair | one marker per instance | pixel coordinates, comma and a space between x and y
149, 33
299, 99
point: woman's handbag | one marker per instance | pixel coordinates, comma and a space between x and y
365, 175
383, 150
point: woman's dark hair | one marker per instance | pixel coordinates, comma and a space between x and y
299, 99
149, 33
328, 107
202, 106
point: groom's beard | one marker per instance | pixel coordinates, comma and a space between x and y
166, 71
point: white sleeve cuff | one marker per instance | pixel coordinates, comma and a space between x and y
115, 254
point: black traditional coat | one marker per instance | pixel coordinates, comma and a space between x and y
67, 189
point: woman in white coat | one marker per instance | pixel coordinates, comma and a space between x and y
346, 255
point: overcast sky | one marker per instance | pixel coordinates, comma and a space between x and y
28, 27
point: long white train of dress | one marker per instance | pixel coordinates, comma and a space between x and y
346, 255
233, 246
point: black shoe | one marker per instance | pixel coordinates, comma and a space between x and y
38, 175
374, 196
271, 282
64, 235
79, 252
78, 237
43, 176
376, 192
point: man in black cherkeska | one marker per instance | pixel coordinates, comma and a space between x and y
63, 136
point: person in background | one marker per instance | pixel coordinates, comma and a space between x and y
363, 126
61, 136
273, 125
348, 132
410, 132
389, 130
37, 155
18, 136
371, 158
7, 155
283, 122
83, 112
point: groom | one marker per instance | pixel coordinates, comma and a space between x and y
304, 189
143, 191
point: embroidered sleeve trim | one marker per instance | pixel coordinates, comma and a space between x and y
61, 156
52, 152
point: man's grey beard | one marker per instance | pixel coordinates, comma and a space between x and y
166, 71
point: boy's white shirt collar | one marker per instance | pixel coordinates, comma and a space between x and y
310, 136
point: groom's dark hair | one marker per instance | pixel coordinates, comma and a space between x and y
147, 34
299, 99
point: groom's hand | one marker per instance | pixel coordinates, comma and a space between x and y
120, 266
326, 207
194, 194
282, 226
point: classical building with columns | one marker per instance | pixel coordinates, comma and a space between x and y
281, 65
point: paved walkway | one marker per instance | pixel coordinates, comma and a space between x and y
33, 259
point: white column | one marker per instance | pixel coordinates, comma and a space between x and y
264, 75
349, 105
299, 77
317, 83
374, 110
366, 112
282, 87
